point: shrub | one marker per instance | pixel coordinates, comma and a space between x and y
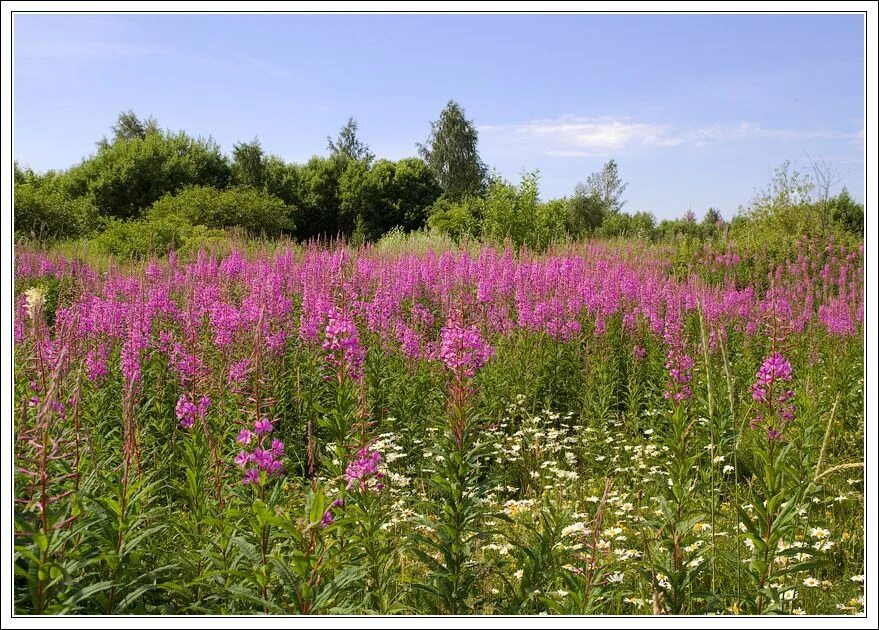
256, 212
47, 213
128, 175
142, 238
456, 219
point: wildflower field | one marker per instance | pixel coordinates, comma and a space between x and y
606, 428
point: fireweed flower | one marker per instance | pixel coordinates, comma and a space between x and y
265, 456
343, 345
96, 364
237, 371
680, 373
188, 411
772, 396
364, 467
277, 447
327, 519
464, 348
263, 426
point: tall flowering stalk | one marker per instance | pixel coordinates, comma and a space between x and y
458, 512
772, 396
346, 357
780, 493
43, 465
671, 572
463, 352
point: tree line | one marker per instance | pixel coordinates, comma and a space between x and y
147, 188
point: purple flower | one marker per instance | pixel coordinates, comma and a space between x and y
277, 447
251, 476
186, 411
327, 519
238, 371
772, 396
774, 368
364, 466
263, 458
244, 436
242, 458
464, 348
342, 341
263, 426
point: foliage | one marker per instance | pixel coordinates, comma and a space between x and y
129, 174
43, 211
452, 155
144, 237
256, 212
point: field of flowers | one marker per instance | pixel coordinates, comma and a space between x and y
601, 429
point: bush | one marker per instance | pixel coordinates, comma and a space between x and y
142, 238
256, 212
45, 212
128, 175
455, 219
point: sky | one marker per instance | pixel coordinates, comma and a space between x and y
697, 110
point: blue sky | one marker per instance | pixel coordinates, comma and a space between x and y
697, 110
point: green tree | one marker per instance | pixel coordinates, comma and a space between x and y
585, 212
415, 190
456, 219
247, 164
348, 145
593, 201
847, 213
129, 127
124, 178
712, 223
643, 225
616, 224
451, 153
379, 197
282, 180
512, 212
607, 186
319, 212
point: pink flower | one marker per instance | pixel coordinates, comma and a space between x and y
327, 519
464, 349
262, 458
772, 396
251, 476
263, 426
242, 459
277, 447
244, 436
186, 411
364, 466
343, 343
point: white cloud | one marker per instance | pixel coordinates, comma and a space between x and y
575, 136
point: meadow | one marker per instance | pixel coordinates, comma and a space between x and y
601, 428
